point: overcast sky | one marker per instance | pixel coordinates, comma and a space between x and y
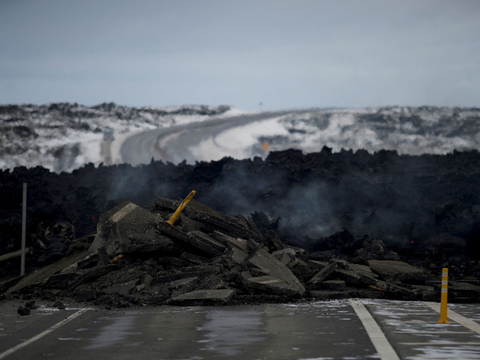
285, 54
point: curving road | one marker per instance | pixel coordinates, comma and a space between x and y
173, 144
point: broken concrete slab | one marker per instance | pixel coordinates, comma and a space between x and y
194, 259
208, 240
398, 291
124, 220
177, 284
237, 255
463, 290
316, 281
224, 226
299, 268
121, 289
396, 270
92, 275
204, 297
61, 281
342, 264
189, 241
285, 255
354, 278
271, 285
363, 269
44, 273
231, 242
182, 286
141, 243
169, 262
271, 266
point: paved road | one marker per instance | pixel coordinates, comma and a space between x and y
173, 143
322, 330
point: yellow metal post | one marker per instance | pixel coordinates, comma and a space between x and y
180, 208
444, 298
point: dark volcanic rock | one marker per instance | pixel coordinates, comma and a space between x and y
23, 311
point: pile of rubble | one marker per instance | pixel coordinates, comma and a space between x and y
207, 258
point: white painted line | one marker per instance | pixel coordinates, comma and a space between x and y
437, 357
383, 347
120, 214
432, 332
440, 343
39, 336
462, 320
389, 321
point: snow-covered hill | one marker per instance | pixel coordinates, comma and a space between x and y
408, 130
63, 137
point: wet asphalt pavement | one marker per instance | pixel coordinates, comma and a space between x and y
321, 330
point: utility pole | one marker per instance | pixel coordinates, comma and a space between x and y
24, 228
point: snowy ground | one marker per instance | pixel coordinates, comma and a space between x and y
63, 137
412, 131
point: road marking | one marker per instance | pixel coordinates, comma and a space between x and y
119, 215
46, 332
379, 341
412, 314
432, 332
440, 343
462, 320
436, 357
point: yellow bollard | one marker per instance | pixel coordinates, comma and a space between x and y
180, 208
444, 299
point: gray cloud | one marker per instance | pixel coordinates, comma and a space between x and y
283, 53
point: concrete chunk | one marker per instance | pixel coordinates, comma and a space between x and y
141, 243
189, 240
284, 256
318, 278
121, 289
272, 285
238, 255
208, 240
231, 241
271, 266
227, 227
203, 297
395, 270
118, 224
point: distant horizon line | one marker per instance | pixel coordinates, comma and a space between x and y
112, 103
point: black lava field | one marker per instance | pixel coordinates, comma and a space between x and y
426, 208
